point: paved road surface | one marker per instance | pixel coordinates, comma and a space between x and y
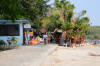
80, 56
26, 55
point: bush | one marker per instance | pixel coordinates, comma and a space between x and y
2, 42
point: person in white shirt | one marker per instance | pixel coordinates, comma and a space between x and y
45, 37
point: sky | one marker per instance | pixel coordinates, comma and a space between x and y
91, 6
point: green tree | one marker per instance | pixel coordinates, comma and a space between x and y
82, 24
61, 15
51, 22
94, 33
33, 10
10, 9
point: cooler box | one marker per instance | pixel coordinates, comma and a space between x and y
33, 42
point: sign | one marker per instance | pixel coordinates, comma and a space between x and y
27, 26
30, 33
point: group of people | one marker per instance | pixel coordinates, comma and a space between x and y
61, 39
45, 38
48, 38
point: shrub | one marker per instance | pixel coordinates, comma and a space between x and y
2, 42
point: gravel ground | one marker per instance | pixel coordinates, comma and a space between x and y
81, 56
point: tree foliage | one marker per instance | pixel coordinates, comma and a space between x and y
82, 24
10, 9
62, 16
42, 15
94, 33
33, 10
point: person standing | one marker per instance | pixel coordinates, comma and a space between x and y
62, 39
49, 38
45, 38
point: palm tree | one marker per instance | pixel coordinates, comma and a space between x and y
82, 24
62, 17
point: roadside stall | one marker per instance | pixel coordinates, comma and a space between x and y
28, 33
13, 33
58, 35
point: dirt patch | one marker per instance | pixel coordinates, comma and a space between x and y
94, 54
58, 61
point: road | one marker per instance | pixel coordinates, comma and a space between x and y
26, 55
81, 56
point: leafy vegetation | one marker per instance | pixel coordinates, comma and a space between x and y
10, 9
60, 16
94, 33
33, 10
2, 42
